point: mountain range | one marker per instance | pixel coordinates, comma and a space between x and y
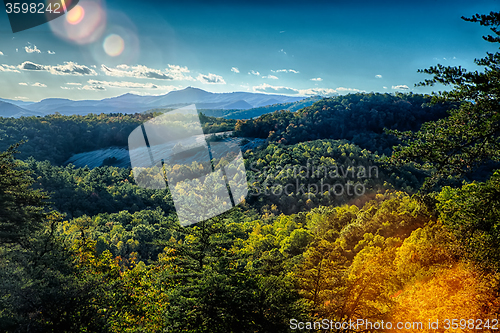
258, 111
130, 103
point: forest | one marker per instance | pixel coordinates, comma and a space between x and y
56, 138
366, 208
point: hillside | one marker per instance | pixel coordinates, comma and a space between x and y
259, 111
359, 118
57, 137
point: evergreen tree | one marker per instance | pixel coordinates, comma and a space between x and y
38, 288
470, 136
21, 209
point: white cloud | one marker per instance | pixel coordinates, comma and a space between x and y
317, 79
211, 79
20, 97
30, 49
36, 84
69, 68
378, 76
384, 87
178, 69
1, 53
50, 52
7, 68
173, 72
327, 91
138, 71
267, 88
342, 89
73, 84
31, 66
285, 71
400, 87
319, 91
124, 84
270, 77
95, 88
235, 69
252, 72
66, 88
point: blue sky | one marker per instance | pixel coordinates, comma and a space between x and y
105, 49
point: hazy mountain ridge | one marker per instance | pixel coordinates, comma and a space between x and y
130, 103
16, 102
259, 111
8, 109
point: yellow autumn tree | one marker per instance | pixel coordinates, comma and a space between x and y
437, 287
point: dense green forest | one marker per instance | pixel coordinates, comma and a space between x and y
359, 118
56, 137
359, 209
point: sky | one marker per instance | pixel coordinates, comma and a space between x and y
102, 49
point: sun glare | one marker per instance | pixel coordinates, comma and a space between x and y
114, 45
75, 15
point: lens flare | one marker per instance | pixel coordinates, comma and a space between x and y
113, 45
75, 15
84, 24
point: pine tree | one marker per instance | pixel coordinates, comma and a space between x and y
470, 136
21, 208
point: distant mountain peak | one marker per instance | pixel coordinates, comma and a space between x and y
11, 110
189, 88
132, 103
